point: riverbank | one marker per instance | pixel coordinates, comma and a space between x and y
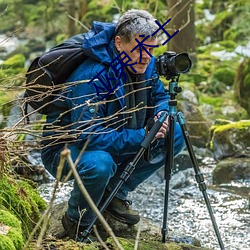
188, 215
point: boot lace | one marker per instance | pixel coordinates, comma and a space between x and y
127, 203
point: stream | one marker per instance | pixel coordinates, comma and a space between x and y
187, 212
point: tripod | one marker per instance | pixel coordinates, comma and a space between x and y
129, 169
173, 90
169, 163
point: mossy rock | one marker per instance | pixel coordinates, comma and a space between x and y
232, 139
128, 244
221, 107
10, 231
22, 200
231, 169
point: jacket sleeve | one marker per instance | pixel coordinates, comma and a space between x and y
89, 122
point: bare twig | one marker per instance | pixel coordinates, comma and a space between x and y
99, 238
138, 236
79, 22
66, 154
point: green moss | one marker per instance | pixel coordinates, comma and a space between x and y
228, 45
224, 75
6, 243
16, 237
214, 101
22, 200
9, 219
14, 234
222, 122
235, 125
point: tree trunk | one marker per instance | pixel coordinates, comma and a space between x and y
83, 7
72, 13
182, 16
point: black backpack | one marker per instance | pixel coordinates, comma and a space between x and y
48, 73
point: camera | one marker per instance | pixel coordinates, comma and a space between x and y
171, 65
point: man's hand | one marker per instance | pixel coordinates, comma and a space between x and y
164, 128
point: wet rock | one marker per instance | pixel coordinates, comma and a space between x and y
31, 167
231, 139
197, 125
231, 169
181, 179
190, 96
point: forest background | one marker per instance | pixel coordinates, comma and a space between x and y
214, 33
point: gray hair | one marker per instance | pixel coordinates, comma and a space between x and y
135, 22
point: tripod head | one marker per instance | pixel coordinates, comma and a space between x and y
174, 89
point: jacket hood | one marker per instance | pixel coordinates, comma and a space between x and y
98, 43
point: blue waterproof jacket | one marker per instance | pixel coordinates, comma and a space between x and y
88, 117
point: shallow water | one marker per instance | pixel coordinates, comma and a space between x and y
188, 215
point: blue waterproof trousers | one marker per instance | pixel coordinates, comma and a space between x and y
99, 171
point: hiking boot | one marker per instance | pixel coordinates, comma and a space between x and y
121, 211
75, 231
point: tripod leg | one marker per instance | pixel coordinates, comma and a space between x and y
168, 173
129, 168
199, 177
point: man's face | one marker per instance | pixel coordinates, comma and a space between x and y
142, 60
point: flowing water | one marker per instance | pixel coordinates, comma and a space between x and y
187, 212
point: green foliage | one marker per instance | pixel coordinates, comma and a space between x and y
230, 23
12, 67
213, 74
221, 23
16, 61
